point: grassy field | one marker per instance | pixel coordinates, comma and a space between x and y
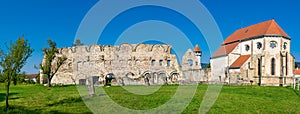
232, 99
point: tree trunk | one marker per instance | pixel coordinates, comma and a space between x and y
7, 94
49, 82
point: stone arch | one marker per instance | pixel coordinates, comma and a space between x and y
107, 48
88, 48
59, 50
125, 46
158, 47
166, 47
141, 47
73, 49
147, 74
169, 48
65, 51
161, 72
125, 51
174, 75
108, 78
96, 48
159, 77
130, 75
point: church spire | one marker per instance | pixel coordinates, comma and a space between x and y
197, 49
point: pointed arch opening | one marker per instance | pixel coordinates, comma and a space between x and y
273, 66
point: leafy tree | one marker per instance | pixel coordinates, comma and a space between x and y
78, 43
13, 62
208, 65
51, 62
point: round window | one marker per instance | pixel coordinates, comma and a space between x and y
273, 44
247, 47
259, 45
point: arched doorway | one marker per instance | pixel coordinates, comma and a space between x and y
108, 79
174, 77
259, 71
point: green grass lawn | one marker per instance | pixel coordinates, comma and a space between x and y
232, 99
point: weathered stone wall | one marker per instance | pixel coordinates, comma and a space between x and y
129, 63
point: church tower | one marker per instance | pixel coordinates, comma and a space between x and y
198, 53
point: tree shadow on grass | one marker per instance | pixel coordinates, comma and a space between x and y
15, 109
296, 92
11, 96
66, 101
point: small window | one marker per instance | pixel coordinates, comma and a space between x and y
88, 58
273, 66
160, 62
169, 63
284, 45
273, 44
152, 62
190, 62
247, 47
259, 45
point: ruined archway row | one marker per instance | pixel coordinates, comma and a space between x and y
123, 47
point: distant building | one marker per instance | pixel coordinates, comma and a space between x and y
259, 52
31, 77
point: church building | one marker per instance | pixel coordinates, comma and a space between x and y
259, 53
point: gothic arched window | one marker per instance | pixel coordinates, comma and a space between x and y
190, 62
284, 45
273, 66
152, 62
160, 62
259, 67
169, 63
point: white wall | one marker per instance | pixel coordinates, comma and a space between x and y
218, 67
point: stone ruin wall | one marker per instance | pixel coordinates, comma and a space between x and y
129, 62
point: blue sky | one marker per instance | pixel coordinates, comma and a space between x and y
59, 20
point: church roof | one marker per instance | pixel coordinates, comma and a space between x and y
240, 61
264, 28
225, 49
197, 49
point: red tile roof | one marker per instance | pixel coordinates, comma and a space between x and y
263, 28
31, 75
197, 49
240, 61
225, 49
297, 71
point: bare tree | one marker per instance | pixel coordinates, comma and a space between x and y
51, 62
